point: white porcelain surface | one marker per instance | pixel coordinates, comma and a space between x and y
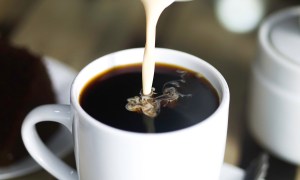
61, 77
230, 172
103, 152
274, 109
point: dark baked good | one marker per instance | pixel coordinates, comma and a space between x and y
24, 84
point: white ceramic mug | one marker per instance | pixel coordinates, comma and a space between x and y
105, 153
274, 109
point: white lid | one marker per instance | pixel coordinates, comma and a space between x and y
285, 37
279, 49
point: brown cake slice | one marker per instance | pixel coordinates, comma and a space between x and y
24, 84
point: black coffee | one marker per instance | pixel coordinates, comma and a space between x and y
105, 96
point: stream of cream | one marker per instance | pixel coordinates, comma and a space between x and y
153, 9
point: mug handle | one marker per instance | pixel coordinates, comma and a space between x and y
37, 149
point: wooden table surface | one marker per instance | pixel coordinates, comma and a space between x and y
78, 31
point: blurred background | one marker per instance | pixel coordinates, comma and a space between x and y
222, 32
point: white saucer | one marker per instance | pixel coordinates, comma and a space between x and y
230, 172
61, 142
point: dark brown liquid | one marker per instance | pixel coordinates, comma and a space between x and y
105, 96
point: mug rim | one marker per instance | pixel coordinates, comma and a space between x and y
224, 96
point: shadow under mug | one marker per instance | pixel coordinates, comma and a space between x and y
104, 152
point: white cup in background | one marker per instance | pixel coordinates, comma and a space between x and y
274, 109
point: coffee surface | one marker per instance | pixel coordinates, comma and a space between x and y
105, 96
